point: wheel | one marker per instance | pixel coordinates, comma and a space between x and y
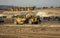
21, 23
30, 21
35, 22
15, 22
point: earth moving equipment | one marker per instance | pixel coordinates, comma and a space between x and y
2, 19
28, 18
19, 20
34, 20
57, 18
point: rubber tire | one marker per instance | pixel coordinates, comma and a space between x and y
30, 22
15, 22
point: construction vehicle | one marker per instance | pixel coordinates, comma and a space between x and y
28, 18
57, 18
34, 20
2, 19
19, 20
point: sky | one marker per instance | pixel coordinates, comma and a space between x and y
37, 3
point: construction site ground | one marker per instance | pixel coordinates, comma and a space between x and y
49, 29
43, 30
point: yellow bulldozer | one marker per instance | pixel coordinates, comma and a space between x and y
28, 18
